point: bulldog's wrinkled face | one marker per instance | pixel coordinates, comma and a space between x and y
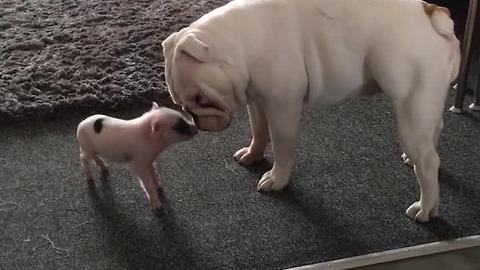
197, 82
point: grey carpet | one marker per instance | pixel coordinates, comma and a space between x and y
347, 197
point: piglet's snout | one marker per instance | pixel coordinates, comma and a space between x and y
185, 128
193, 130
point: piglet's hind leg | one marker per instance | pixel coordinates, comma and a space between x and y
102, 165
87, 170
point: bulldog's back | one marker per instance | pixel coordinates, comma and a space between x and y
353, 22
320, 42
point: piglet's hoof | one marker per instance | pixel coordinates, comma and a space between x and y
155, 204
157, 208
105, 173
90, 181
160, 212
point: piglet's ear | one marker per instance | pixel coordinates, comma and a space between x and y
155, 106
157, 127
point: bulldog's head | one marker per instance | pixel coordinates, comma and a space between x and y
199, 81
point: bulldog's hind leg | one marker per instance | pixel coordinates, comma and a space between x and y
260, 137
438, 130
417, 128
419, 119
417, 85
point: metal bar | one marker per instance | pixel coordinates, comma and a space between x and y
466, 59
475, 106
475, 53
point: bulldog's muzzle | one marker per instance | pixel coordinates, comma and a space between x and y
209, 123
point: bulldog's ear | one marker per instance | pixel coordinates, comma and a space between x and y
168, 44
168, 50
194, 47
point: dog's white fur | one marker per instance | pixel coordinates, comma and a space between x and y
277, 55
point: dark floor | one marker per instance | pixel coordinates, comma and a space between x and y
347, 197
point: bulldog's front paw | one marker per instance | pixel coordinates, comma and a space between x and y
406, 160
271, 182
418, 214
247, 157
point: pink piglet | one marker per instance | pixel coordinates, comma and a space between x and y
137, 142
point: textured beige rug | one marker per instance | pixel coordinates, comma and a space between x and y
70, 56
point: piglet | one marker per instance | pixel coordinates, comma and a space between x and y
137, 142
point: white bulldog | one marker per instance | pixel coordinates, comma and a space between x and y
276, 56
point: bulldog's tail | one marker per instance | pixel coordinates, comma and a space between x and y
444, 26
440, 19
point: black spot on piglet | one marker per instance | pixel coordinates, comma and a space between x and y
98, 125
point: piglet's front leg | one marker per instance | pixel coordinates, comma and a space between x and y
156, 181
149, 183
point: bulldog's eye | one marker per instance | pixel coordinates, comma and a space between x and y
202, 102
197, 99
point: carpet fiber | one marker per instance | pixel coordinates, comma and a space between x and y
347, 197
69, 56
